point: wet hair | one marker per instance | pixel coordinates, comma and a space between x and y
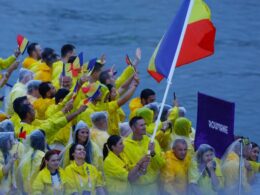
31, 48
44, 87
65, 49
61, 94
203, 148
104, 75
23, 110
134, 120
47, 157
145, 93
111, 141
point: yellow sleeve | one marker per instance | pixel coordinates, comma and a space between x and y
158, 160
193, 174
38, 185
128, 72
98, 177
1, 172
53, 124
113, 170
5, 63
164, 139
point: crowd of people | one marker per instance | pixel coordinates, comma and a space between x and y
64, 132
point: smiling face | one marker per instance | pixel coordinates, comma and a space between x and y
118, 148
139, 127
254, 154
79, 152
83, 135
53, 162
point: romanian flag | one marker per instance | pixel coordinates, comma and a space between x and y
91, 65
77, 64
92, 91
198, 41
22, 43
75, 90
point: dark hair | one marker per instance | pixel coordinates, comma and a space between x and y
145, 93
254, 145
18, 102
97, 67
38, 140
61, 94
23, 110
65, 49
44, 87
49, 56
72, 150
134, 120
71, 59
31, 48
109, 86
47, 157
104, 75
88, 148
111, 141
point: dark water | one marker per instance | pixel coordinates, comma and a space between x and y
118, 27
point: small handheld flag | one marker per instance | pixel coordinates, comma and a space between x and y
22, 43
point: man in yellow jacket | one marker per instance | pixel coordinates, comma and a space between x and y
136, 146
47, 92
174, 174
28, 122
34, 54
67, 51
147, 96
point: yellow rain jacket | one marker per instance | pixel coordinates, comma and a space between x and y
19, 90
134, 104
5, 63
43, 183
41, 105
97, 156
134, 151
255, 168
83, 178
116, 171
29, 169
128, 72
99, 137
49, 126
203, 180
1, 172
230, 170
56, 72
174, 174
42, 72
29, 62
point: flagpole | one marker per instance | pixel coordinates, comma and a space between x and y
169, 79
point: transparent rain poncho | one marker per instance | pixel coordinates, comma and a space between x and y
233, 165
7, 159
31, 160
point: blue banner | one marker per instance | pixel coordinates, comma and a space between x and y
215, 123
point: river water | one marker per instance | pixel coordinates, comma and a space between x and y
118, 27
